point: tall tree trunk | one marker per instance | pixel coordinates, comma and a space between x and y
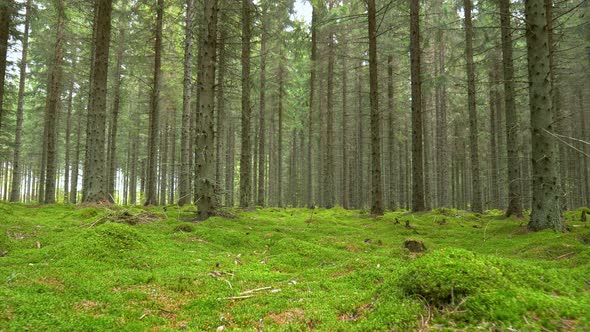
154, 125
164, 134
391, 146
280, 127
207, 202
76, 162
262, 119
230, 163
377, 187
309, 186
442, 149
6, 8
511, 116
417, 149
546, 209
494, 195
346, 178
68, 139
245, 156
172, 162
16, 170
95, 173
52, 106
330, 187
221, 112
112, 152
476, 204
185, 151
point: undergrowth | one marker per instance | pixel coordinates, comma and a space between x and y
135, 269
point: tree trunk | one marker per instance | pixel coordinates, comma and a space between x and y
52, 106
205, 163
309, 186
417, 153
511, 116
280, 127
112, 152
330, 187
154, 125
494, 199
476, 203
6, 8
262, 119
546, 211
346, 178
245, 156
95, 173
76, 163
16, 169
68, 139
221, 112
377, 187
185, 151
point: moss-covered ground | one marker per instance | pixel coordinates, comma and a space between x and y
129, 269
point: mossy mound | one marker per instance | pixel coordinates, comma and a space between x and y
448, 275
106, 242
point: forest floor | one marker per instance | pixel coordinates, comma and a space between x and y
93, 268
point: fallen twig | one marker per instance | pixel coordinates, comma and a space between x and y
241, 297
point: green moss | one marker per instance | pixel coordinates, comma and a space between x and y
337, 270
448, 275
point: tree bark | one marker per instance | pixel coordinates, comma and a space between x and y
417, 150
377, 187
154, 125
112, 152
185, 151
245, 156
309, 186
546, 209
207, 202
95, 173
476, 203
16, 168
6, 8
511, 116
262, 119
52, 107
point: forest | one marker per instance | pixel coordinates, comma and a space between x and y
331, 165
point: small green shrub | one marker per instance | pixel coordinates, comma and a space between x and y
448, 275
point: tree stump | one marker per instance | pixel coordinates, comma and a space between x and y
414, 245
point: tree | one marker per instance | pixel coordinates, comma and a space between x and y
377, 191
112, 151
184, 183
312, 73
262, 118
16, 162
94, 172
154, 121
511, 116
546, 209
6, 8
204, 161
52, 105
417, 167
245, 155
476, 204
